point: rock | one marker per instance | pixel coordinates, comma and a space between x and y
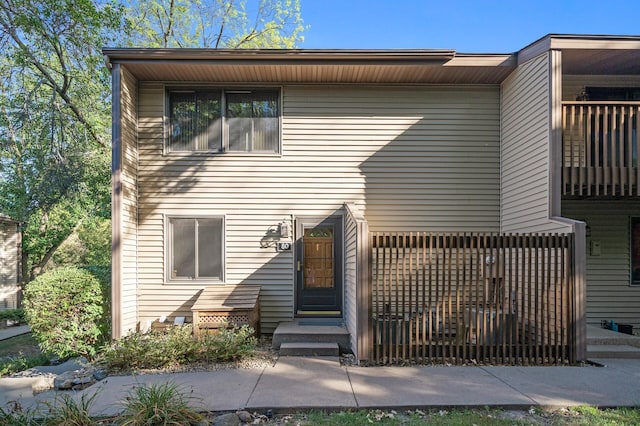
244, 416
230, 419
99, 375
77, 379
64, 381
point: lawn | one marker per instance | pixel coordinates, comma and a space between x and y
20, 353
23, 344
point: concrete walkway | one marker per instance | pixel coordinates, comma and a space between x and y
304, 383
9, 332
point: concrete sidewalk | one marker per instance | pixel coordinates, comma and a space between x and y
9, 332
305, 383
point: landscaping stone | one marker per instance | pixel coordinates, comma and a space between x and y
75, 379
230, 419
244, 416
99, 375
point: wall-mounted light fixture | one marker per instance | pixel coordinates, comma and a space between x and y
285, 229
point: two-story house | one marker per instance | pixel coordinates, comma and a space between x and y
255, 167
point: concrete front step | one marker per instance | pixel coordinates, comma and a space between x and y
310, 331
613, 351
309, 349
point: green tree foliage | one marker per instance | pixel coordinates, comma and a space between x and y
54, 119
55, 94
215, 23
65, 310
89, 244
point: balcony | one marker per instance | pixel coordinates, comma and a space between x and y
600, 149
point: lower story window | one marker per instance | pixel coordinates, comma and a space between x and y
196, 248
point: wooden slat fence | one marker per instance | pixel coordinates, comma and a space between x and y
472, 298
600, 148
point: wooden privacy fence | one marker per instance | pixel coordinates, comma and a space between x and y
485, 298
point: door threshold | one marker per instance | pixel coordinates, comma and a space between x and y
319, 313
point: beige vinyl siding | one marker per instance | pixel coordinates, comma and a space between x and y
350, 277
9, 264
129, 214
609, 295
525, 168
573, 85
418, 158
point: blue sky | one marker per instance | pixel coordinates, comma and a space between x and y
468, 26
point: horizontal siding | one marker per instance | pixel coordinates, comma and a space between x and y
609, 295
525, 170
409, 158
9, 264
129, 213
350, 278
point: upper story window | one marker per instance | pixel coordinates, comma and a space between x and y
612, 93
224, 121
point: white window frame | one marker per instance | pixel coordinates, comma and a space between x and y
223, 106
168, 252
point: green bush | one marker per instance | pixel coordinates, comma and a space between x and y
64, 308
228, 344
20, 363
103, 274
12, 315
176, 346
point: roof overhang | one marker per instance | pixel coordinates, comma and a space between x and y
590, 54
306, 66
6, 219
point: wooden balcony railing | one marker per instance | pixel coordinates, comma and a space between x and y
600, 148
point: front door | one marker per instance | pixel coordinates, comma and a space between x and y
319, 267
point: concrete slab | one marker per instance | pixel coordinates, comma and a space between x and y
570, 386
302, 382
9, 332
431, 386
20, 390
212, 390
613, 351
602, 336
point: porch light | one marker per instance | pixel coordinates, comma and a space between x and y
284, 229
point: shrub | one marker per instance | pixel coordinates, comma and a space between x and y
228, 344
158, 404
103, 274
21, 362
64, 308
158, 349
12, 315
176, 346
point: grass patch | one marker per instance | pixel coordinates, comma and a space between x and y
20, 353
23, 344
462, 417
410, 418
588, 415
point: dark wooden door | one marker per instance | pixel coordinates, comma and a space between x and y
319, 267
